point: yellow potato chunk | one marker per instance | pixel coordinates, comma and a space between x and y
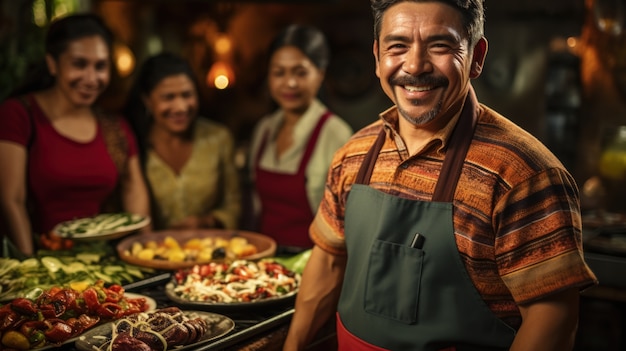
207, 242
176, 255
236, 245
205, 255
171, 243
221, 242
193, 244
135, 248
146, 254
248, 250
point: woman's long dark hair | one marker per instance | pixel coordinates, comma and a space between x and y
151, 73
60, 34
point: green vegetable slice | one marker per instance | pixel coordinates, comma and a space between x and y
53, 264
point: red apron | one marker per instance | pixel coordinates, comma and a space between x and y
285, 211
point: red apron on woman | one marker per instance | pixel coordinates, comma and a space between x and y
285, 210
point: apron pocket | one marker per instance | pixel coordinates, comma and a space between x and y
393, 281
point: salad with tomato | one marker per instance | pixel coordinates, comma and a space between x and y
239, 281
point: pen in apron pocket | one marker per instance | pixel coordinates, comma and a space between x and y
418, 241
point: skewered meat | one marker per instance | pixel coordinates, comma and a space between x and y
174, 312
150, 339
192, 333
159, 330
176, 335
125, 342
200, 326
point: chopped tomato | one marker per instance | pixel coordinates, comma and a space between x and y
110, 310
90, 295
59, 331
24, 306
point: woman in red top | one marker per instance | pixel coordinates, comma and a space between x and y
57, 153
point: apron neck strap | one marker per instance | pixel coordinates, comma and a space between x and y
460, 140
304, 162
367, 167
313, 138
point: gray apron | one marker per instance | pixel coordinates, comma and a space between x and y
404, 291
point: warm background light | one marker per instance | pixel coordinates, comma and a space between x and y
124, 60
220, 76
223, 45
221, 82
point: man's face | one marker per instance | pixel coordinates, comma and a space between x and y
424, 61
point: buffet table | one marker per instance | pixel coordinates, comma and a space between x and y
260, 330
256, 329
256, 326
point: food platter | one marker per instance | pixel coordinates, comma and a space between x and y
229, 286
56, 346
105, 226
231, 306
265, 245
150, 302
219, 325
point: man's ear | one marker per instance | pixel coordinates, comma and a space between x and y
478, 57
375, 51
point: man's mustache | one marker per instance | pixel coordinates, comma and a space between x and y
419, 80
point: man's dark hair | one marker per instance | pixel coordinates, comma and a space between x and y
472, 10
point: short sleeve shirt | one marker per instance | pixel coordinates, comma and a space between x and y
516, 208
66, 179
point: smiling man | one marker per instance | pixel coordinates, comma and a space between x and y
444, 226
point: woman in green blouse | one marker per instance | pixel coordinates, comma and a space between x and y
188, 160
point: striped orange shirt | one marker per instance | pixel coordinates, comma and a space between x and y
516, 218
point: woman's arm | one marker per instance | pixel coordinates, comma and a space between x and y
549, 324
251, 197
134, 191
13, 195
229, 210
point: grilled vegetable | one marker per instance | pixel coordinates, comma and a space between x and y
27, 278
102, 223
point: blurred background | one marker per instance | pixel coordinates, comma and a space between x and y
557, 68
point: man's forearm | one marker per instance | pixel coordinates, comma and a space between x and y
317, 298
549, 324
